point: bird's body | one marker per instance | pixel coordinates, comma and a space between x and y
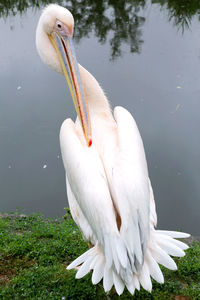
111, 198
109, 191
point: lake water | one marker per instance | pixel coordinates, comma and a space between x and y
147, 59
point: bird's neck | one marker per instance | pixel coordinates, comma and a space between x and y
97, 102
102, 120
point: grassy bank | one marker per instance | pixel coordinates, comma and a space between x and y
34, 253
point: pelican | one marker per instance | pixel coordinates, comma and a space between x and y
108, 186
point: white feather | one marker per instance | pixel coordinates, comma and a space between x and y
84, 269
95, 259
98, 270
129, 186
179, 244
144, 278
154, 268
175, 234
91, 179
163, 258
170, 249
118, 283
107, 279
136, 282
80, 259
131, 287
78, 216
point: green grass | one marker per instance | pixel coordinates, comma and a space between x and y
35, 251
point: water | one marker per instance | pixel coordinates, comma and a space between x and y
147, 59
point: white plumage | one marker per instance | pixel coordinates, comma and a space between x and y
109, 191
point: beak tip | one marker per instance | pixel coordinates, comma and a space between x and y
89, 142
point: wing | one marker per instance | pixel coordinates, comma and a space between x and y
78, 216
153, 215
129, 186
88, 184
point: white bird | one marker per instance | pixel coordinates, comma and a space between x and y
108, 187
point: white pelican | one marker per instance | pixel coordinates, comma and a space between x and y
108, 187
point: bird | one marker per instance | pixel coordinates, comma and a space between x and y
108, 187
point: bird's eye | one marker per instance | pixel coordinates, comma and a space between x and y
59, 25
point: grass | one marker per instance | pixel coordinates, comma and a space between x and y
35, 251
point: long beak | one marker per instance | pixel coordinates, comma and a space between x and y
66, 54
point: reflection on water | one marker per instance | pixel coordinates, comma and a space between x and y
119, 21
180, 12
160, 87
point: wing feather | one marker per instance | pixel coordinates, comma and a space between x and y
129, 185
78, 216
88, 183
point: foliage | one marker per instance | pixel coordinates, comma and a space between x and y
119, 22
34, 253
180, 12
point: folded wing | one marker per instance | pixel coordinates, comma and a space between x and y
129, 185
88, 185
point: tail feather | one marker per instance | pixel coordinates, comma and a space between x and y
80, 259
174, 234
136, 282
171, 249
131, 287
98, 270
115, 268
115, 252
95, 260
163, 258
144, 277
107, 279
154, 268
179, 244
118, 283
160, 237
84, 269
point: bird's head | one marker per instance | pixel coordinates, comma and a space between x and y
55, 47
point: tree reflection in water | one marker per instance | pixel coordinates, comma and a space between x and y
180, 12
120, 22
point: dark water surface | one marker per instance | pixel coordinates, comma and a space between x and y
146, 56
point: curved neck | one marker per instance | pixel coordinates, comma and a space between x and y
97, 102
